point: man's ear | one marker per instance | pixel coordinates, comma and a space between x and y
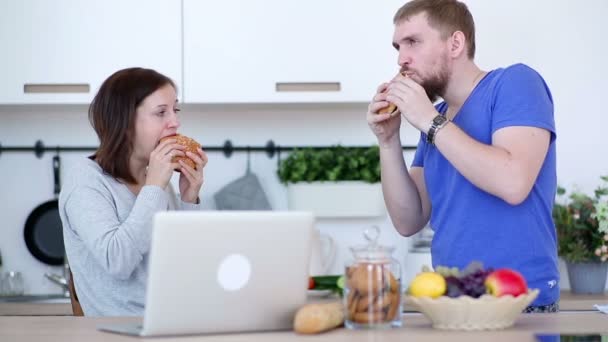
457, 44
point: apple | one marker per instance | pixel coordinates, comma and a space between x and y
506, 281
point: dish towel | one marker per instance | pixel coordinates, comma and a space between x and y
245, 193
602, 308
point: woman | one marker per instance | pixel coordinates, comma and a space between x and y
108, 200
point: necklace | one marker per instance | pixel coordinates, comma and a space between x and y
478, 78
450, 112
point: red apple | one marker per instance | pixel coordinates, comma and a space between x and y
506, 281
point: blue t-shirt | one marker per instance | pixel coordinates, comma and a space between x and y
471, 224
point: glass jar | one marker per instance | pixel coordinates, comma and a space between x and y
12, 284
372, 289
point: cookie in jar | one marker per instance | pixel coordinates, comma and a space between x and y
372, 291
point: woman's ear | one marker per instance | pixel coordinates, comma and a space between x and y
457, 44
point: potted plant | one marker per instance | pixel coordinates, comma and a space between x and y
582, 231
334, 182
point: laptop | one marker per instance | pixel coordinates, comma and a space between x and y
224, 272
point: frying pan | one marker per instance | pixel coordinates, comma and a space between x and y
43, 232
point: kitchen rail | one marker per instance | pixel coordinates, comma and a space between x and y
227, 148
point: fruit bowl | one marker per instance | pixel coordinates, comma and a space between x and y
467, 313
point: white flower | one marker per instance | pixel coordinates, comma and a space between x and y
598, 252
604, 249
606, 237
601, 214
603, 227
604, 258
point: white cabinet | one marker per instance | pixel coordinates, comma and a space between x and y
273, 51
60, 51
334, 199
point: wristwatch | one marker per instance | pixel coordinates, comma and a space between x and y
438, 123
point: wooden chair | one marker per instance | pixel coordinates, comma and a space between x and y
76, 308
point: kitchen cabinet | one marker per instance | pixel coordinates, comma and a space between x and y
60, 51
278, 51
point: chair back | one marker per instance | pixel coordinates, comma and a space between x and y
76, 308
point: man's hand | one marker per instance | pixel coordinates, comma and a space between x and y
412, 101
384, 126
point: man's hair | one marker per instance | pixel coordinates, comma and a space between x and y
112, 114
447, 16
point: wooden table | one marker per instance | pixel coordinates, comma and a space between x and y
416, 328
568, 302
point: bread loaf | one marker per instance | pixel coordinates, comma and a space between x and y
316, 318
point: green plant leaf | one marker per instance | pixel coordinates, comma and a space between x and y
336, 163
581, 224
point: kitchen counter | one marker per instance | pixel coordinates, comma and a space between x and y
416, 328
36, 305
578, 302
568, 302
35, 309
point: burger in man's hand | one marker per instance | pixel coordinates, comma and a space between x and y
391, 108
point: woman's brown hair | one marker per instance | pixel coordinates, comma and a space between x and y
447, 16
112, 115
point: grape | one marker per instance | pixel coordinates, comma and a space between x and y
468, 282
454, 287
472, 267
473, 283
447, 271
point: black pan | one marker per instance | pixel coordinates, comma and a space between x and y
43, 232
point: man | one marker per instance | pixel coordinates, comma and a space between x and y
484, 171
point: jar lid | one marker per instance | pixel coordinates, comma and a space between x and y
372, 251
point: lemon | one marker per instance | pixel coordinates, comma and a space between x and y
428, 284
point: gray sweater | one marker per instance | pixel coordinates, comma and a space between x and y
107, 232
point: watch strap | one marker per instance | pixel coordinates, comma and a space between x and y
438, 123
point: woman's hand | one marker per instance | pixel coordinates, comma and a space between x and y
160, 167
191, 180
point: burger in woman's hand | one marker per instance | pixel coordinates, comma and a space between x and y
190, 146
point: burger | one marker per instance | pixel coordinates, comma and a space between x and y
391, 108
190, 146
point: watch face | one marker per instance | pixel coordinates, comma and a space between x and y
439, 119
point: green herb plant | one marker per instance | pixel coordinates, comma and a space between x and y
333, 164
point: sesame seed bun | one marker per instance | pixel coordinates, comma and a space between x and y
190, 145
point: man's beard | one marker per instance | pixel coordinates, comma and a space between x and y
436, 85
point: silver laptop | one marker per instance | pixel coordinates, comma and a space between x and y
225, 271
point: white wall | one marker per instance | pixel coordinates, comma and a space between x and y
565, 41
